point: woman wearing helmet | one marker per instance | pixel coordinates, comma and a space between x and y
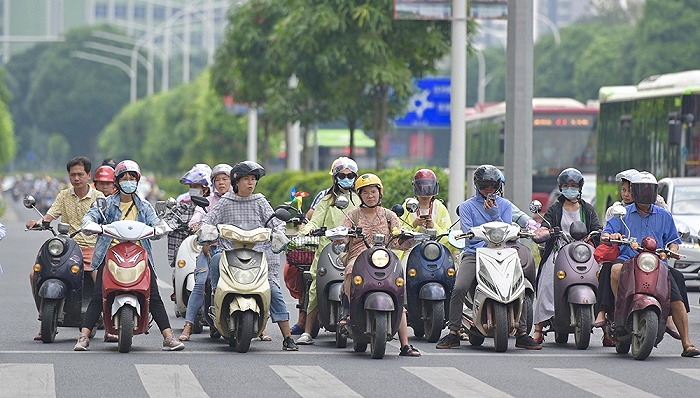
125, 206
373, 219
221, 181
344, 173
104, 180
568, 208
243, 207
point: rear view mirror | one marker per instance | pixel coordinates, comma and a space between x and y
535, 207
619, 211
101, 203
29, 201
283, 214
398, 210
342, 202
200, 201
171, 202
412, 205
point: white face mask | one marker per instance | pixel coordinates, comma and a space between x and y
195, 192
570, 193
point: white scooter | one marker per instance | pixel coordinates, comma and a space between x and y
493, 308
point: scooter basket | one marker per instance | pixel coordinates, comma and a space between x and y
300, 257
301, 250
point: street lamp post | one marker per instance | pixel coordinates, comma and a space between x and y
293, 158
113, 62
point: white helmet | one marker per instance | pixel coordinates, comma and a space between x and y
626, 175
221, 168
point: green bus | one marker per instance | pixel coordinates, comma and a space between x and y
651, 126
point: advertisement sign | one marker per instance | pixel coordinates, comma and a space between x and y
489, 9
429, 106
422, 9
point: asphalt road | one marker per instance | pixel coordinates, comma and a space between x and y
208, 368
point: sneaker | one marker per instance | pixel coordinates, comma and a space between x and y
83, 344
171, 343
305, 339
296, 330
289, 345
449, 341
525, 341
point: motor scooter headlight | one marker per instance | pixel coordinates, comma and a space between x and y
126, 276
380, 258
581, 253
431, 251
55, 247
647, 262
496, 235
244, 276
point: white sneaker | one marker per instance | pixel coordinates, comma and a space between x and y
305, 339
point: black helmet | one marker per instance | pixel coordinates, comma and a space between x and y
246, 168
486, 176
644, 188
570, 174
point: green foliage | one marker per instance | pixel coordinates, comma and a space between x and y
7, 135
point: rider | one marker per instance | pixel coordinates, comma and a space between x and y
243, 207
221, 181
373, 219
344, 174
125, 206
568, 208
646, 219
70, 205
104, 180
485, 206
197, 178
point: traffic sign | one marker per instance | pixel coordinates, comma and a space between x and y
429, 106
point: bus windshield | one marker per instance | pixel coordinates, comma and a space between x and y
555, 149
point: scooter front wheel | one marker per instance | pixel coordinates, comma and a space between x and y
126, 328
49, 320
582, 331
244, 331
379, 332
643, 342
341, 340
433, 319
501, 332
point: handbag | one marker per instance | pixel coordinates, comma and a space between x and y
606, 253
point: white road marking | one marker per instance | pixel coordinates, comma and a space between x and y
455, 383
596, 383
35, 380
170, 381
692, 373
313, 382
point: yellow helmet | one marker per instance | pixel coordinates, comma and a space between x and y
367, 180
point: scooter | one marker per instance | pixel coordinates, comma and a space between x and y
242, 296
61, 293
575, 283
493, 308
431, 278
126, 280
643, 300
329, 286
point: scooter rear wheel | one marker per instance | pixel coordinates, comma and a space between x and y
49, 320
198, 324
126, 328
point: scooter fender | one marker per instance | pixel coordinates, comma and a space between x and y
53, 289
189, 282
124, 299
379, 301
642, 301
432, 291
580, 294
241, 303
335, 291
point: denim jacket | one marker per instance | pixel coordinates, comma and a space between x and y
145, 214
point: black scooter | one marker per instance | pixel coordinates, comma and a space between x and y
61, 293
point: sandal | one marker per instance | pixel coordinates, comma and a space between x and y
111, 338
409, 351
37, 337
537, 336
265, 337
690, 352
186, 332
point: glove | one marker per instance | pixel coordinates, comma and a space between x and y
207, 234
279, 241
90, 227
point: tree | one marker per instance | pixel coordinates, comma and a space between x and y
7, 139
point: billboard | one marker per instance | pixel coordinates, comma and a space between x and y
422, 9
489, 9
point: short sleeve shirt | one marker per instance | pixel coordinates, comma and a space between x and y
71, 209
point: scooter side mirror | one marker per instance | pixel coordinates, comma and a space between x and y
412, 205
29, 201
683, 231
170, 203
535, 207
339, 248
578, 230
283, 214
619, 211
398, 210
63, 228
342, 202
101, 203
200, 201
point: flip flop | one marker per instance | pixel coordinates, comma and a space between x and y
673, 333
37, 337
111, 338
265, 337
184, 337
599, 324
690, 352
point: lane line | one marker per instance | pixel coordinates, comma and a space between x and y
164, 381
692, 373
456, 383
596, 383
313, 382
34, 380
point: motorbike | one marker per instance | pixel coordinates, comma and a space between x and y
493, 308
185, 264
575, 283
643, 301
431, 278
242, 296
61, 292
126, 280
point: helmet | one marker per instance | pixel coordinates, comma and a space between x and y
104, 173
198, 174
570, 174
369, 179
125, 166
425, 183
109, 162
644, 188
221, 168
248, 167
486, 176
626, 175
341, 164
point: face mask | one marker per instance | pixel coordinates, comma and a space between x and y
128, 187
570, 193
195, 192
346, 183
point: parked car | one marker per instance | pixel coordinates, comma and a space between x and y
682, 194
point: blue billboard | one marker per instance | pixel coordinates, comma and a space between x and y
429, 106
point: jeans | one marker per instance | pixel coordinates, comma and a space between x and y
196, 300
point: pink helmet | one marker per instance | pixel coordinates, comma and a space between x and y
126, 166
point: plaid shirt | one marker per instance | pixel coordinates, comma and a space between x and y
249, 212
178, 219
71, 209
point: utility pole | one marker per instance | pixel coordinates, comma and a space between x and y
458, 104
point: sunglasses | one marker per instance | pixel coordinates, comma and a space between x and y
343, 176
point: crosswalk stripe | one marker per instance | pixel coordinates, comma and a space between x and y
596, 383
692, 373
455, 383
313, 382
31, 380
170, 381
